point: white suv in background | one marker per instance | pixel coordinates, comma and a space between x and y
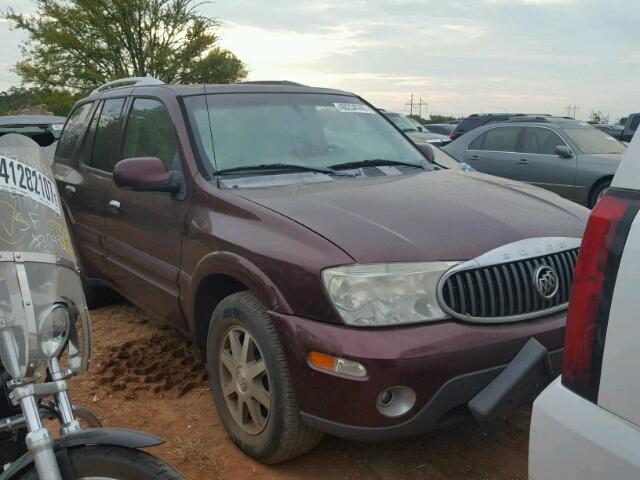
586, 424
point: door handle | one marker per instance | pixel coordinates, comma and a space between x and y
475, 157
523, 161
70, 190
114, 206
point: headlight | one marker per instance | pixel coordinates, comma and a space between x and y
386, 294
53, 329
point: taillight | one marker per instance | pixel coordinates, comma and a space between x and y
593, 283
453, 135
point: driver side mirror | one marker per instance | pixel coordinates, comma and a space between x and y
563, 151
146, 174
427, 151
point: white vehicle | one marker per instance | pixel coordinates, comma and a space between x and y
586, 424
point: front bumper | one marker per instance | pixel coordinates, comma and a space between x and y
455, 369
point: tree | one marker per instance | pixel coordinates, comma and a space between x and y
441, 119
598, 117
77, 45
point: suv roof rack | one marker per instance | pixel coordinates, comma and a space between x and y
127, 82
275, 82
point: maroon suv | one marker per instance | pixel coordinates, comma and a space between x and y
337, 279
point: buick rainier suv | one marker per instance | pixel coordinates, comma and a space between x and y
336, 278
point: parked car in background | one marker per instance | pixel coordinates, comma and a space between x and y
586, 425
415, 131
440, 128
478, 120
615, 131
630, 127
335, 279
568, 157
43, 129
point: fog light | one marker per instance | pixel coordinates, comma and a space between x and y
395, 401
323, 361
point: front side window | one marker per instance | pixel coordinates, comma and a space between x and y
106, 134
313, 130
72, 131
541, 141
592, 141
150, 133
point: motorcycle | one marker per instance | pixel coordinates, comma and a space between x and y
45, 339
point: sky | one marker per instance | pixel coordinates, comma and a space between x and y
458, 56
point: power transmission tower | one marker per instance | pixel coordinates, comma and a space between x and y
572, 110
418, 104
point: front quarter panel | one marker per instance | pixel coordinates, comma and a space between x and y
275, 257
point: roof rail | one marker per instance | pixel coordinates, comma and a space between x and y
127, 82
275, 82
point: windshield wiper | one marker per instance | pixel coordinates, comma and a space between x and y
282, 166
375, 162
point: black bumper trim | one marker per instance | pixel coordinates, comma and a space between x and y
440, 410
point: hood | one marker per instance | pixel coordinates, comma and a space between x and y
439, 215
614, 158
422, 137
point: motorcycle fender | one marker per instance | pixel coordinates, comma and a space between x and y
117, 437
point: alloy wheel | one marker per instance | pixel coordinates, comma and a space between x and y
244, 380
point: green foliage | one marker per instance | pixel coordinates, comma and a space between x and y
434, 119
58, 102
80, 44
441, 119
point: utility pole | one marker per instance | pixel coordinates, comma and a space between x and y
418, 104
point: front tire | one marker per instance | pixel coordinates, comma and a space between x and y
114, 463
251, 385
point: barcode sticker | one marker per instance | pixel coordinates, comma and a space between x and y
20, 178
352, 108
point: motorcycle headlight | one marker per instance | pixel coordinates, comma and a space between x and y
53, 329
386, 294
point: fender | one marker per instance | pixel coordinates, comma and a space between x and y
244, 271
116, 437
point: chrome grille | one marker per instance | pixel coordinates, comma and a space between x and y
500, 292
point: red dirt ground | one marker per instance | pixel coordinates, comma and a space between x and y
147, 377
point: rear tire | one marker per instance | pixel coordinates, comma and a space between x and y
599, 190
115, 463
97, 296
278, 434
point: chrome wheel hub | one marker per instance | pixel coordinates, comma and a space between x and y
244, 380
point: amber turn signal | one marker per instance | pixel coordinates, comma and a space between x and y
329, 363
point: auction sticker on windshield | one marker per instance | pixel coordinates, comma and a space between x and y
19, 178
352, 108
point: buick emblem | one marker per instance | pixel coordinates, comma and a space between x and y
546, 281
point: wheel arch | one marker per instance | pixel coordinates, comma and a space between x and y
596, 185
219, 275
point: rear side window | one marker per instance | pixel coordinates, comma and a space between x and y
501, 139
635, 122
72, 132
541, 141
150, 133
106, 134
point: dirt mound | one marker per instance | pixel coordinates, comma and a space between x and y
163, 364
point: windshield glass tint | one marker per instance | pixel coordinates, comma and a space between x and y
593, 141
299, 129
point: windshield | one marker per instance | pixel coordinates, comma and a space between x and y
593, 141
402, 122
313, 130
